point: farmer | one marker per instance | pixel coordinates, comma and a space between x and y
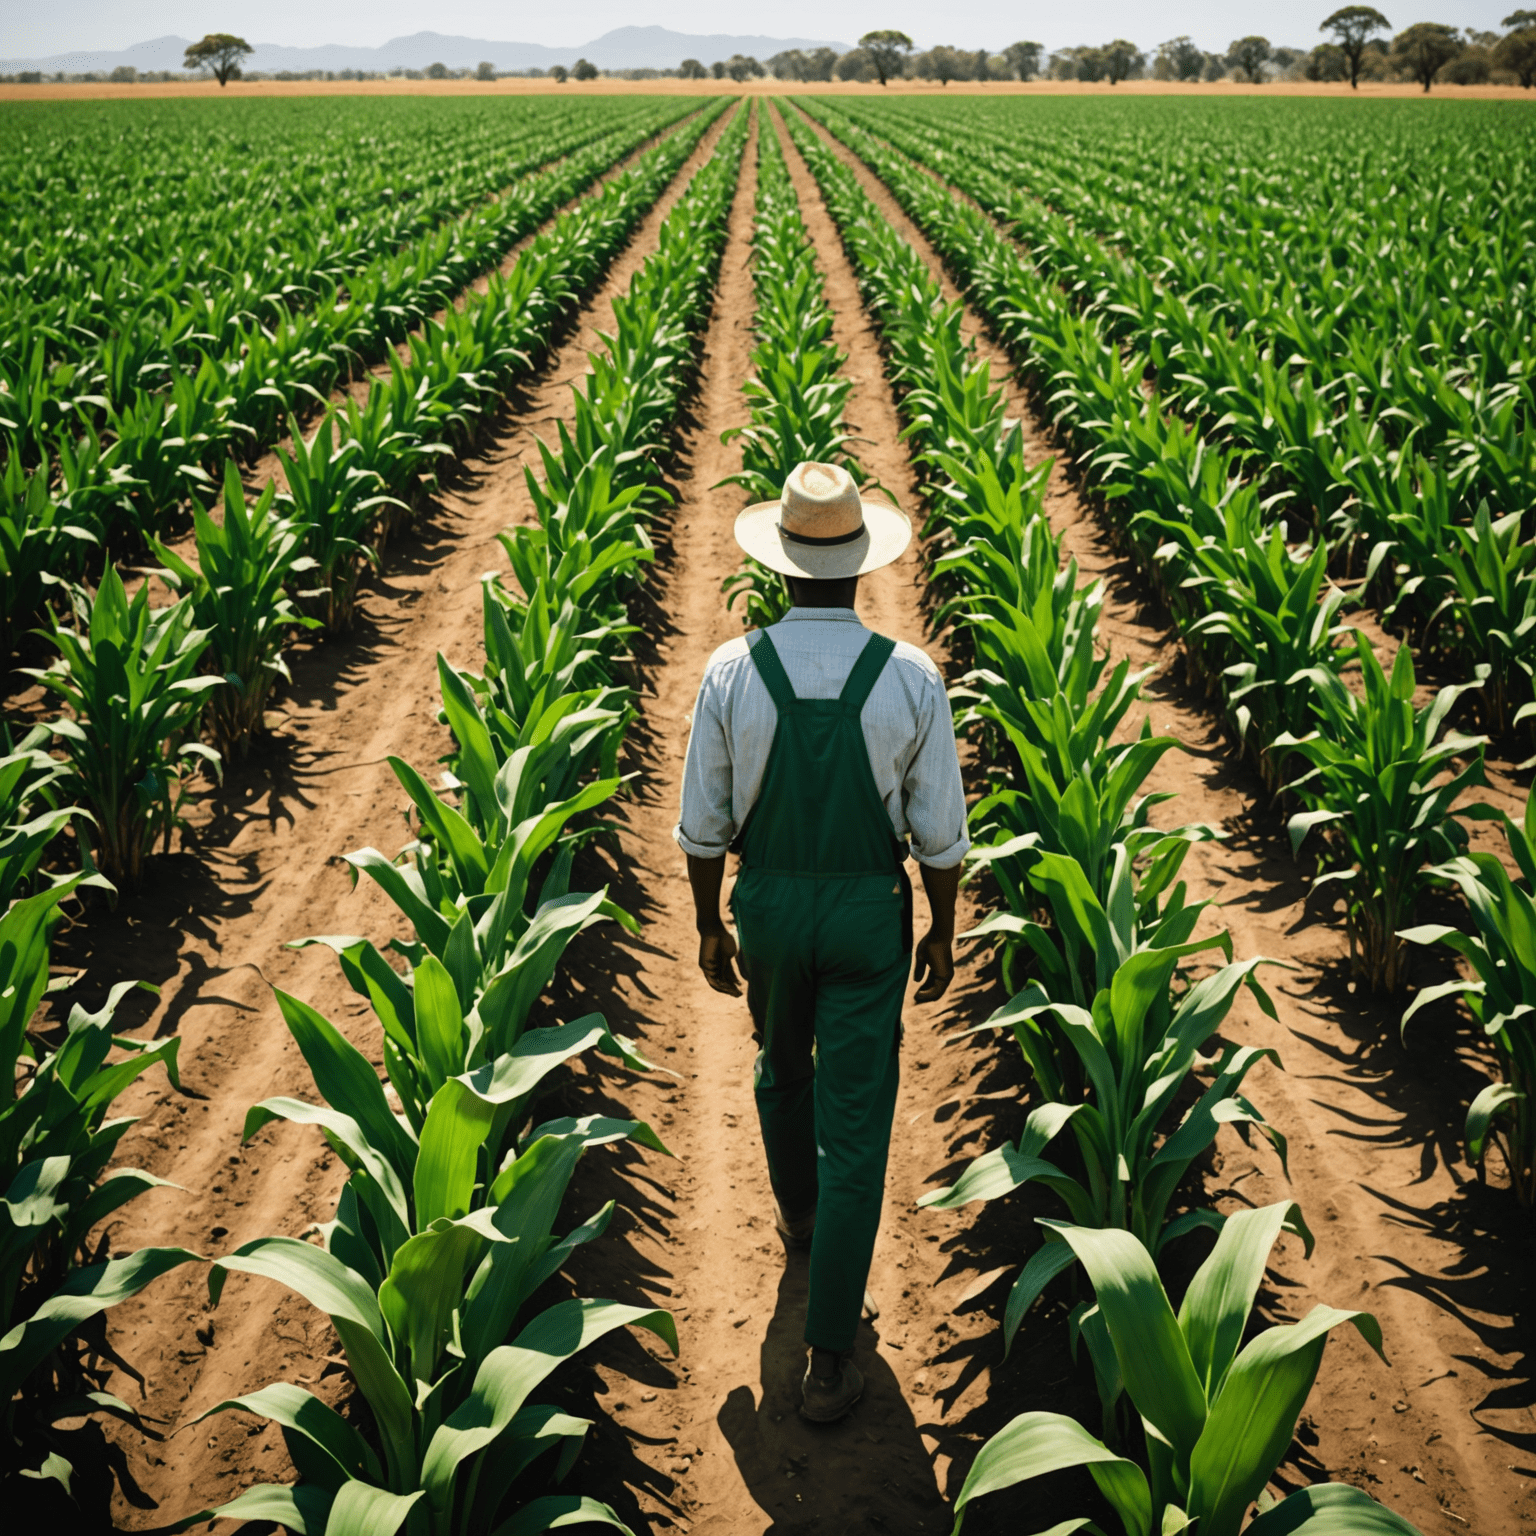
821, 752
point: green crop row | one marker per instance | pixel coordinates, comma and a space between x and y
177, 242
137, 678
444, 1232
1380, 779
92, 498
1380, 428
1109, 1025
797, 394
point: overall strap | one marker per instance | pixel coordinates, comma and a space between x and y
866, 672
771, 670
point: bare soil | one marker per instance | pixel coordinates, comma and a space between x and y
711, 1443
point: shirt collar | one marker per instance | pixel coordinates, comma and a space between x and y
822, 616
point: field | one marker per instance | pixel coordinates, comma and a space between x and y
378, 1158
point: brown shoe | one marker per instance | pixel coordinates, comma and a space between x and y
795, 1232
826, 1400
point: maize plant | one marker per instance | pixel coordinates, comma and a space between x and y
1109, 1033
1489, 614
1500, 948
796, 395
40, 544
1219, 1414
1383, 783
1111, 1065
56, 1140
238, 595
131, 676
30, 813
443, 1233
336, 501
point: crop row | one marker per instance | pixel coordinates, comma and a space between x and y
1109, 1027
138, 679
245, 387
1382, 779
797, 394
1381, 431
119, 273
1259, 621
444, 1231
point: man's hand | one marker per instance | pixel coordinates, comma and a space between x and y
934, 958
716, 951
935, 961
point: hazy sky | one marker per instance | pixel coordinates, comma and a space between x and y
36, 30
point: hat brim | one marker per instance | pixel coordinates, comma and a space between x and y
887, 532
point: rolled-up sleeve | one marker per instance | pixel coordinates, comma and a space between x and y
933, 796
705, 826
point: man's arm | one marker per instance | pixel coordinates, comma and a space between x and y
934, 798
935, 953
717, 948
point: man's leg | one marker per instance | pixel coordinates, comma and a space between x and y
861, 984
773, 918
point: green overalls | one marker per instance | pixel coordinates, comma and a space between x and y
823, 912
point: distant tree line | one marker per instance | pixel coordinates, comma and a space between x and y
1360, 46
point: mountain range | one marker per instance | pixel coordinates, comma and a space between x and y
623, 48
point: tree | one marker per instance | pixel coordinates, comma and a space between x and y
819, 63
1353, 28
584, 71
1185, 61
1024, 59
124, 74
1250, 55
855, 65
1327, 62
437, 71
943, 64
219, 51
717, 69
1121, 59
1425, 49
691, 69
789, 65
742, 66
485, 70
1516, 51
558, 73
887, 51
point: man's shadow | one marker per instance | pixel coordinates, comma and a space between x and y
869, 1472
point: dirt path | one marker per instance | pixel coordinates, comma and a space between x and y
1444, 1433
714, 1444
261, 866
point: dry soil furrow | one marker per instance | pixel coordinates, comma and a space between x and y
1375, 1159
262, 866
719, 1445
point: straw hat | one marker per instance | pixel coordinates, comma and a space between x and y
822, 528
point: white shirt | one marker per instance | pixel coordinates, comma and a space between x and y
906, 721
